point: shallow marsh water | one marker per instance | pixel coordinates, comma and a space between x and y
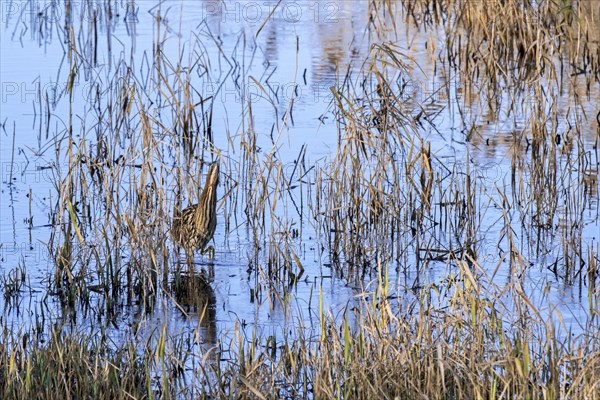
270, 87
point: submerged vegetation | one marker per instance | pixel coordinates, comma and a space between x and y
437, 248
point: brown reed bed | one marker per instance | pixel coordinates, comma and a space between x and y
379, 129
386, 200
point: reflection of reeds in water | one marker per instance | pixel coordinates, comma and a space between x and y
383, 183
383, 199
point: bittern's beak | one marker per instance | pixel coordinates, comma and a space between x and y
213, 174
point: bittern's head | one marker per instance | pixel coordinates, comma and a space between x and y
212, 179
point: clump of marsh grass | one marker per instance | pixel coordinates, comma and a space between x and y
466, 339
69, 365
550, 39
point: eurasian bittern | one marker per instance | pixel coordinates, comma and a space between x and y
195, 226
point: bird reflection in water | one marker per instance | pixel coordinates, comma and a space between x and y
195, 295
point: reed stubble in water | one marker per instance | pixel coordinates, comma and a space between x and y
385, 195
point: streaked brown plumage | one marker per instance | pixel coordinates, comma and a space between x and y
195, 226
